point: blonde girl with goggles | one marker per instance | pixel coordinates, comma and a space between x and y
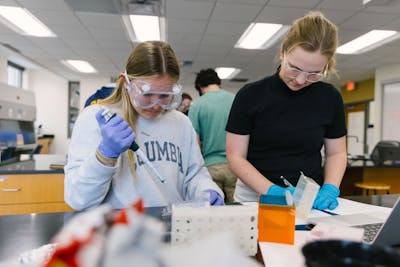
102, 166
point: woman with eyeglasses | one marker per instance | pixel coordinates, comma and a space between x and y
278, 125
102, 165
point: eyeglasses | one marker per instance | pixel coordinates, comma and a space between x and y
311, 77
147, 95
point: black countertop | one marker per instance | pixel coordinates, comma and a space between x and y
364, 163
33, 164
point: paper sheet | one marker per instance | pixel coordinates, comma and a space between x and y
275, 254
351, 207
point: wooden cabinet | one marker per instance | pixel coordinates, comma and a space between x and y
32, 193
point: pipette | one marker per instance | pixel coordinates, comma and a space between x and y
167, 190
107, 115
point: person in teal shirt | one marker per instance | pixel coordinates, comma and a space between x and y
209, 115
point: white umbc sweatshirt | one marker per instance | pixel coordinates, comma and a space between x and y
169, 141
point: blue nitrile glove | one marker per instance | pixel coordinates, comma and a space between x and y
327, 197
215, 198
117, 135
279, 191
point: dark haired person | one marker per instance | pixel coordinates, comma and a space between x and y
209, 115
100, 94
185, 104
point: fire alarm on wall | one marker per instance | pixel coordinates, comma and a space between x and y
350, 86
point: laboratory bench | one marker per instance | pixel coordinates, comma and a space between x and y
32, 184
20, 233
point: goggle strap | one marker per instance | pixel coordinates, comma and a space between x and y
128, 83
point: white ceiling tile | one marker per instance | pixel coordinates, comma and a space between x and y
227, 28
15, 40
393, 25
81, 44
259, 2
214, 51
353, 5
114, 46
235, 12
90, 52
348, 35
175, 38
98, 6
181, 9
241, 56
213, 40
186, 26
281, 15
72, 33
367, 21
44, 4
296, 3
101, 34
392, 8
56, 20
185, 52
8, 3
336, 16
101, 20
5, 30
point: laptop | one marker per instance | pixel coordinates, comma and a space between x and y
377, 230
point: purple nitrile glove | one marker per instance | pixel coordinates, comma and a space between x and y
215, 198
117, 135
327, 197
279, 190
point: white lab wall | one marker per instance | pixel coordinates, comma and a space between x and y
355, 133
3, 69
386, 74
391, 111
51, 92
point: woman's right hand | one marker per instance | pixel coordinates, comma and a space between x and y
117, 135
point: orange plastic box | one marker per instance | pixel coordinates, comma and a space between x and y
276, 220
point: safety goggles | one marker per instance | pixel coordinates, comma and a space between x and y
311, 77
147, 95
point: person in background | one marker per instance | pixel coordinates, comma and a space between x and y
100, 94
209, 115
101, 167
278, 125
185, 104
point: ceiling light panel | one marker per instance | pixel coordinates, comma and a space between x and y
260, 35
368, 41
227, 73
80, 66
22, 21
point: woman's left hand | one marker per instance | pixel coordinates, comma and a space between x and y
327, 197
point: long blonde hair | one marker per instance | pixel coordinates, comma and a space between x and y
313, 32
149, 59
